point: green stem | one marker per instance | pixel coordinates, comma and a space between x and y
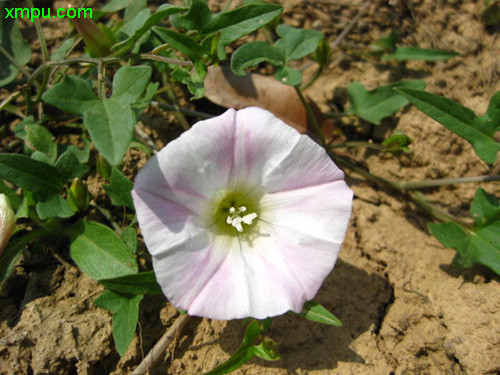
416, 197
107, 215
337, 114
433, 210
15, 62
446, 181
363, 172
310, 115
71, 61
373, 146
186, 111
163, 59
101, 71
314, 77
172, 98
39, 31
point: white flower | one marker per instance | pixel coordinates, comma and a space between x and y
7, 221
244, 217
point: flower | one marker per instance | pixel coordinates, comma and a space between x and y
243, 216
7, 221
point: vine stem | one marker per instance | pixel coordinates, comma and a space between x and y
186, 111
417, 197
157, 352
310, 115
39, 31
15, 62
446, 181
351, 25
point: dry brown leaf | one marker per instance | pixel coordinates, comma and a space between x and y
228, 90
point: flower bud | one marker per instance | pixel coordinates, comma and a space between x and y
98, 40
103, 167
78, 195
7, 221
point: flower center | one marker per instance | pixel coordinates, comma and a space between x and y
236, 220
235, 212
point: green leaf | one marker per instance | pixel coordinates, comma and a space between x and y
246, 18
129, 83
245, 352
185, 45
130, 27
30, 174
183, 75
69, 166
145, 100
134, 7
14, 199
374, 105
54, 206
115, 5
258, 15
458, 119
125, 316
111, 127
62, 51
163, 11
288, 76
81, 154
100, 252
317, 313
11, 253
415, 53
119, 189
490, 14
385, 44
485, 208
40, 139
139, 283
397, 143
253, 53
129, 238
266, 350
296, 43
489, 123
12, 41
74, 95
198, 16
481, 245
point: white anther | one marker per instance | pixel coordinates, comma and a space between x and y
248, 219
236, 220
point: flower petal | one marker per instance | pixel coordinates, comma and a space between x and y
263, 141
275, 272
320, 211
190, 170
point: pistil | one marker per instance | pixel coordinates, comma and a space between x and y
235, 219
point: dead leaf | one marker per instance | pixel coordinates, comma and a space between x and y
228, 90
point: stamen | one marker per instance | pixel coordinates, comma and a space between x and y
235, 219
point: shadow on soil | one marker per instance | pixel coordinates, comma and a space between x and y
357, 298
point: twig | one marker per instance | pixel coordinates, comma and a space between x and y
39, 31
351, 25
168, 60
13, 60
156, 353
68, 266
186, 111
446, 181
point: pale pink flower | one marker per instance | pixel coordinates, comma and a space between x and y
7, 221
243, 216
